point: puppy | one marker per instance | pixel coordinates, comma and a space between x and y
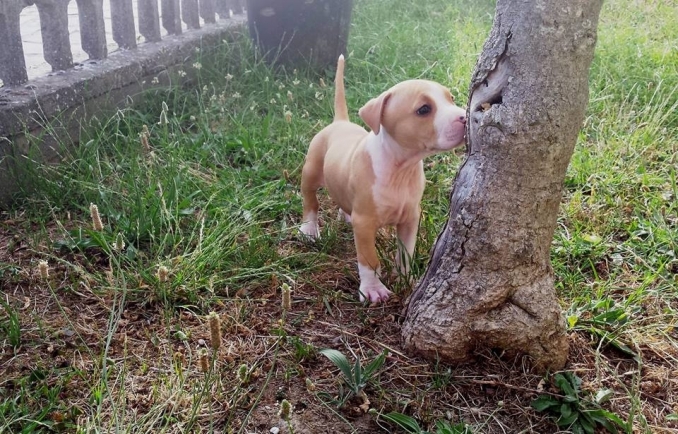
377, 178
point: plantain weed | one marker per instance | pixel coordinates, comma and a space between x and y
356, 377
411, 426
571, 411
604, 320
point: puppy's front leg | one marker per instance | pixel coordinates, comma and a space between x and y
407, 236
365, 233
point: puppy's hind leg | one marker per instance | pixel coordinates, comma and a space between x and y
312, 179
407, 238
344, 216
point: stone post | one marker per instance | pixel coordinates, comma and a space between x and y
236, 6
149, 20
298, 32
207, 11
12, 63
223, 9
171, 16
92, 30
56, 42
122, 17
190, 14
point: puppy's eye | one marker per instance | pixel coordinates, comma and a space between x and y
424, 110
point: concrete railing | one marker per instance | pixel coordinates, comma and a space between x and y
42, 113
55, 30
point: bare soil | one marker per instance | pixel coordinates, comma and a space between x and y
151, 370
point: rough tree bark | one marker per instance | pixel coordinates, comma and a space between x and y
490, 283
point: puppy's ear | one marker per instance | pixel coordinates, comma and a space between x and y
372, 112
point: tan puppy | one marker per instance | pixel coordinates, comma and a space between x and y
377, 178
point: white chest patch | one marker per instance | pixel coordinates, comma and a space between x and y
399, 180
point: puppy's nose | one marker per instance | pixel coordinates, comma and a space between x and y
462, 119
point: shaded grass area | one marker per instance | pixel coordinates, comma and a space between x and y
200, 210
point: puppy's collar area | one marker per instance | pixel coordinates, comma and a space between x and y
388, 152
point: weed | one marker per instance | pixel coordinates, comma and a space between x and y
10, 326
356, 377
285, 414
575, 413
7, 269
411, 426
35, 403
442, 375
603, 319
301, 350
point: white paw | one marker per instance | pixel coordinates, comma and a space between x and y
310, 229
374, 292
371, 287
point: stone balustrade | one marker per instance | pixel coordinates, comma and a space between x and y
150, 15
43, 114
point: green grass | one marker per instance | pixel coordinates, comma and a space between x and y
106, 344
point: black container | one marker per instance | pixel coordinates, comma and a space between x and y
300, 32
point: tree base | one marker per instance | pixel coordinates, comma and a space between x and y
524, 320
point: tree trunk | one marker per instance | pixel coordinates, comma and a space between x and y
489, 283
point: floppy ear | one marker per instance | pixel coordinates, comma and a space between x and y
372, 112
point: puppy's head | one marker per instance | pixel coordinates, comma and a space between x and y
419, 115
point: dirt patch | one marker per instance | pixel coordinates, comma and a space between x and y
92, 354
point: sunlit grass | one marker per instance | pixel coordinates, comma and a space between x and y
200, 183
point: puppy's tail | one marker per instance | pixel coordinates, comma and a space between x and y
340, 108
